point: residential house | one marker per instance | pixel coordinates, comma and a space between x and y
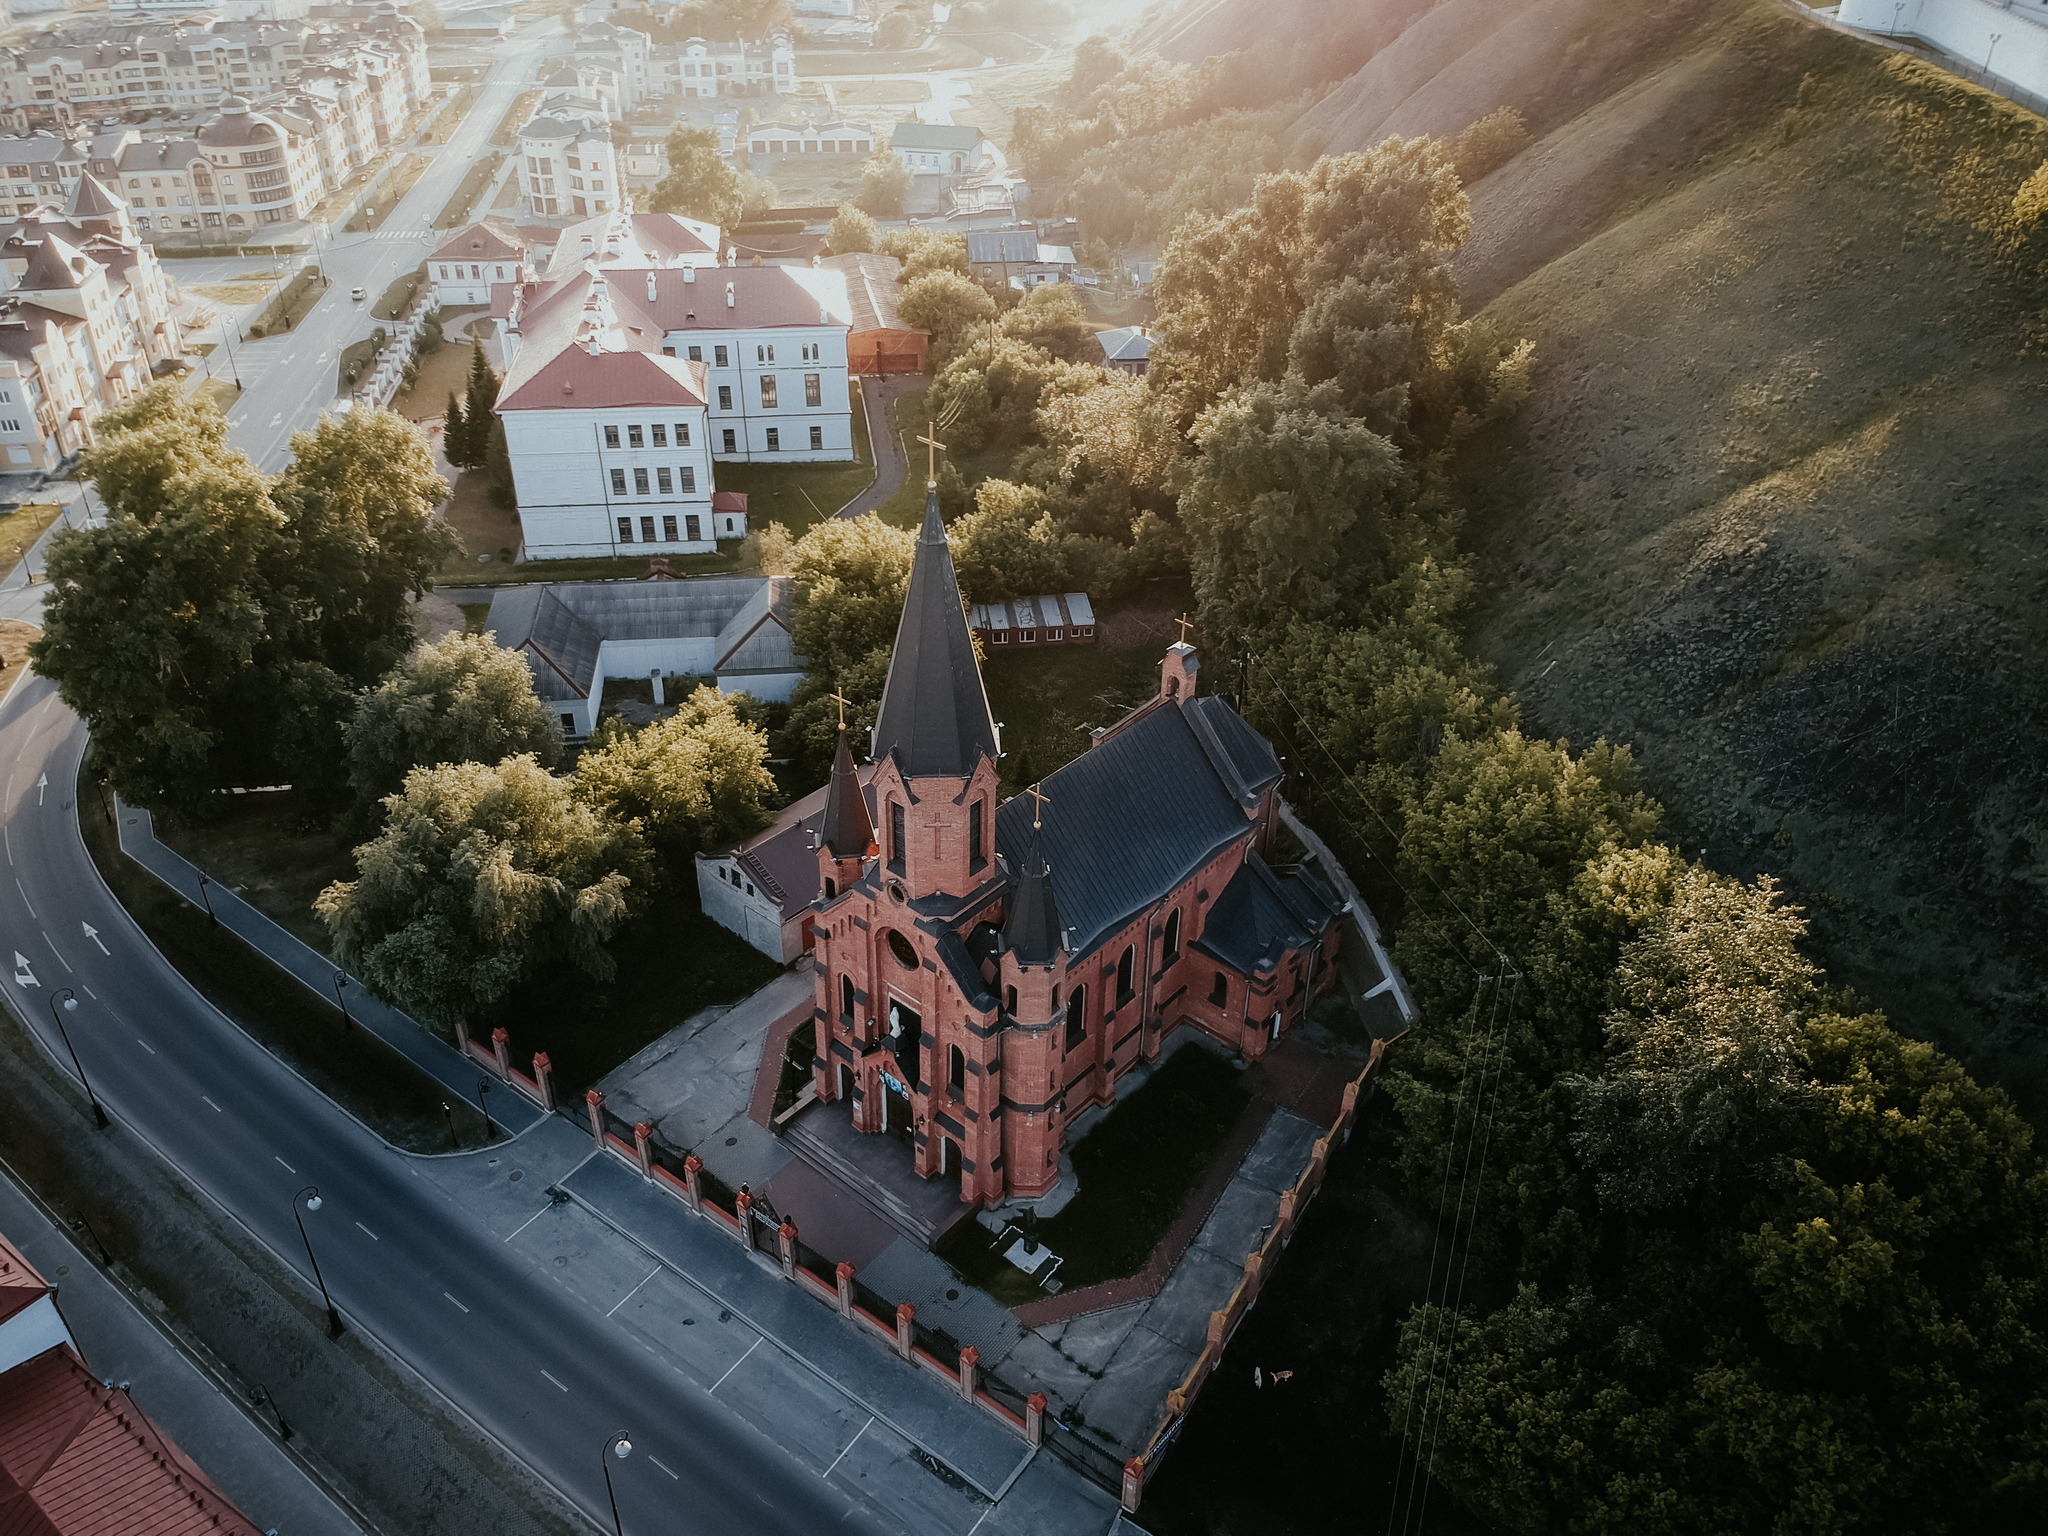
575, 635
1127, 348
571, 165
472, 260
941, 149
764, 887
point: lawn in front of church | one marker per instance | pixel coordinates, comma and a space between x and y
1135, 1169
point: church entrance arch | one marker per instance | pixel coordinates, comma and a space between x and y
845, 1083
949, 1157
897, 1119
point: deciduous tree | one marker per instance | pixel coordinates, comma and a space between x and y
483, 875
701, 182
696, 780
852, 231
459, 700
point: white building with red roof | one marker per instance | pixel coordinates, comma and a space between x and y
470, 261
624, 383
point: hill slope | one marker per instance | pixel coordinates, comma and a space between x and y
1775, 510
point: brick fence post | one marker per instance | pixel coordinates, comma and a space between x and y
970, 1358
785, 1236
1350, 1111
643, 1148
1034, 1419
501, 1047
462, 1037
1219, 1324
906, 1320
693, 1178
743, 1208
593, 1100
1284, 1223
844, 1275
544, 1075
1134, 1484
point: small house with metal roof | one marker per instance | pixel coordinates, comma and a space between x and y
1019, 623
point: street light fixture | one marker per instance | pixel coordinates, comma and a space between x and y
483, 1086
620, 1446
309, 1198
341, 981
1996, 38
206, 899
69, 1001
262, 1395
454, 1141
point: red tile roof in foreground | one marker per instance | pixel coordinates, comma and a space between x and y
20, 1286
80, 1459
574, 379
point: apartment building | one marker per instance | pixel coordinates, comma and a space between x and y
699, 68
571, 168
53, 83
86, 316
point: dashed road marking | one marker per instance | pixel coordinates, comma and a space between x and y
58, 953
373, 1237
213, 1106
459, 1304
24, 898
658, 1462
288, 1168
145, 1045
551, 1378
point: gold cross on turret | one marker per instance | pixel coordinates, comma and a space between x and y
1038, 810
1185, 624
933, 449
842, 701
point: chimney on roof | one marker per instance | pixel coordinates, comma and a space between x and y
594, 346
728, 296
732, 256
650, 287
689, 272
588, 245
817, 260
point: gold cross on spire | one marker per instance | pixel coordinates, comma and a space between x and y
933, 449
1185, 624
842, 701
1038, 810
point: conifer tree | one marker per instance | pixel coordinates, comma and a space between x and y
455, 434
476, 411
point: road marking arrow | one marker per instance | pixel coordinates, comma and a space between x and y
42, 784
94, 934
24, 974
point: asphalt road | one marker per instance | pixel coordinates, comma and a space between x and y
288, 380
543, 1376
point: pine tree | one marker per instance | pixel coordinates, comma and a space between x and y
455, 435
476, 413
497, 463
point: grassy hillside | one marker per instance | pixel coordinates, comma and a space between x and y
1775, 511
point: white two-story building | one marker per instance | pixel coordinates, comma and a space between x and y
624, 384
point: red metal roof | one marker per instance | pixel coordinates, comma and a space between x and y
574, 379
80, 1459
20, 1286
729, 501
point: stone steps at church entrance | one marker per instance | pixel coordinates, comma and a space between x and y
867, 1166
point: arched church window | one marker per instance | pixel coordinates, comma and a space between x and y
1124, 967
831, 890
1219, 994
956, 1069
1077, 1018
1173, 935
846, 994
903, 950
1010, 1000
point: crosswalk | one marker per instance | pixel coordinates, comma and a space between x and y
393, 234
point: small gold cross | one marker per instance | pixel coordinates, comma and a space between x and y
933, 449
1038, 810
842, 701
1186, 624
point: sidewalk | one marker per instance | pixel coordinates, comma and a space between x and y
425, 1050
122, 1342
878, 397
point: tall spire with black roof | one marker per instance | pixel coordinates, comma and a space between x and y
1032, 934
934, 716
848, 829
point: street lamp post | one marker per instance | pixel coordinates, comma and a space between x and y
454, 1141
237, 372
69, 1001
262, 1395
1996, 38
483, 1086
208, 900
80, 1224
619, 1445
309, 1198
339, 982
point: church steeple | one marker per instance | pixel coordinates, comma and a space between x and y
934, 717
848, 830
1032, 934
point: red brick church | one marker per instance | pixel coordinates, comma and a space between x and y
985, 972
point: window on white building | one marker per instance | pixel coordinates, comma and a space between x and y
618, 482
814, 393
682, 434
774, 440
660, 435
633, 437
662, 483
817, 438
668, 526
639, 482
611, 437
689, 475
625, 527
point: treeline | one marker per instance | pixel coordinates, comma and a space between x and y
225, 629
